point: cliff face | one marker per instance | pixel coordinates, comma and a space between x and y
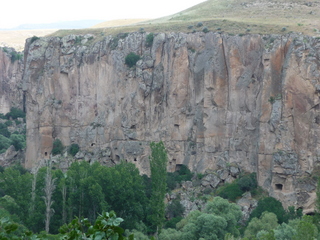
215, 100
11, 94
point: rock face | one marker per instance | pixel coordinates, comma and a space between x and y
11, 94
251, 101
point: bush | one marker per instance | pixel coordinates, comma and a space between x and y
15, 56
175, 209
205, 30
57, 147
270, 204
131, 59
230, 191
18, 141
15, 113
248, 182
8, 123
73, 149
149, 39
4, 130
34, 38
183, 174
199, 24
5, 143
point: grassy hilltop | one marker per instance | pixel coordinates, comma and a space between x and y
231, 16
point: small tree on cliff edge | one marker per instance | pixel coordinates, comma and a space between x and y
158, 167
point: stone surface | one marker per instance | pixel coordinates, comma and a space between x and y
213, 99
11, 94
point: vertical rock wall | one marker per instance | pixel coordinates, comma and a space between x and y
215, 100
11, 94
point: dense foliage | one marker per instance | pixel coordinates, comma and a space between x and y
158, 167
131, 59
57, 147
8, 135
232, 191
79, 204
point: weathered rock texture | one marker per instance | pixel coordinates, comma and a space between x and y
11, 94
252, 101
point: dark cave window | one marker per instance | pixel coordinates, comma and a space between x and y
46, 154
135, 159
279, 186
92, 144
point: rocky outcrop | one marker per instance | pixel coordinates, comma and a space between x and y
250, 101
11, 94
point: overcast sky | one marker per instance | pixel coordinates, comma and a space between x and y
17, 12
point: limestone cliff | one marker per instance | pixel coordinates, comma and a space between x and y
214, 99
11, 94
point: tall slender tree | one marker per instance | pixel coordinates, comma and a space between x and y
158, 167
49, 188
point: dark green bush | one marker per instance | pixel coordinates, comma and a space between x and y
8, 123
15, 56
230, 191
17, 122
175, 209
4, 130
270, 204
248, 182
34, 38
57, 147
2, 116
18, 141
172, 222
5, 143
131, 59
15, 113
183, 174
73, 149
205, 30
149, 39
199, 24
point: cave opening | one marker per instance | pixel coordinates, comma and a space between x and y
279, 186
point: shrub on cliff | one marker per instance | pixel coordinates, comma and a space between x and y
73, 149
18, 141
57, 147
131, 59
5, 143
149, 39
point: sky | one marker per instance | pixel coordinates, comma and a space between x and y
17, 12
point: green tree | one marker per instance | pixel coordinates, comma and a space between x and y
306, 229
229, 211
15, 113
219, 218
16, 183
106, 226
270, 204
267, 222
284, 232
158, 167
